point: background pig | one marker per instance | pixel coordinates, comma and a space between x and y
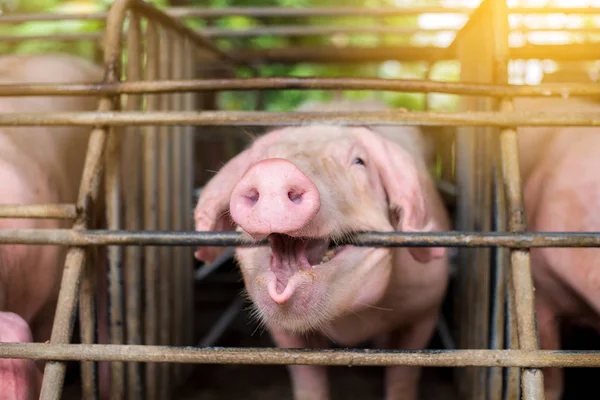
562, 193
307, 187
37, 165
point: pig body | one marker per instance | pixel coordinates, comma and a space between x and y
37, 165
306, 188
561, 190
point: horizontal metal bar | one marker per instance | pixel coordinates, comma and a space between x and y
349, 54
362, 54
66, 37
277, 356
47, 211
221, 33
303, 83
270, 118
364, 239
200, 12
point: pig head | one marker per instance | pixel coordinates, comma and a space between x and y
37, 165
306, 189
561, 190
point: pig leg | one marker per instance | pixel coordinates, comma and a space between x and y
309, 382
19, 379
402, 382
549, 331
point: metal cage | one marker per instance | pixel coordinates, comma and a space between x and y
141, 164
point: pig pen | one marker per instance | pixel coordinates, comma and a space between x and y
155, 137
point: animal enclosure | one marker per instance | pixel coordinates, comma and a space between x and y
158, 129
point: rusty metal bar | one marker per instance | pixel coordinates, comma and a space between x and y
179, 210
133, 208
279, 356
220, 33
49, 211
361, 54
83, 238
261, 12
165, 188
350, 54
304, 83
113, 184
63, 37
532, 380
87, 318
274, 118
151, 151
187, 195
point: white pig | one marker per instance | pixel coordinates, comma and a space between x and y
561, 190
37, 165
305, 188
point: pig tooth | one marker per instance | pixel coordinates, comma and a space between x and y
327, 256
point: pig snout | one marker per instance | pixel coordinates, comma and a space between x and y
274, 196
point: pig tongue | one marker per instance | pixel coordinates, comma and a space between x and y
291, 255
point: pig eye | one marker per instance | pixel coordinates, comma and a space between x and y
359, 161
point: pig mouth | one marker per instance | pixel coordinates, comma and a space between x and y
292, 255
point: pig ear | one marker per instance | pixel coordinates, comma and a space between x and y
404, 183
212, 209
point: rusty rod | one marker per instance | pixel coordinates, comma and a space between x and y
133, 208
151, 151
278, 356
303, 83
532, 380
165, 144
113, 184
179, 210
187, 196
50, 211
292, 12
82, 237
275, 118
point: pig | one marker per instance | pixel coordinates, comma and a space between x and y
561, 191
37, 165
306, 188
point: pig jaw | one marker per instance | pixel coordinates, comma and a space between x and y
300, 298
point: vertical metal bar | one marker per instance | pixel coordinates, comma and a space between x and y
513, 375
497, 340
164, 215
54, 371
87, 319
133, 206
150, 214
188, 198
179, 210
115, 256
532, 379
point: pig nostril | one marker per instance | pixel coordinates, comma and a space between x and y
295, 196
252, 197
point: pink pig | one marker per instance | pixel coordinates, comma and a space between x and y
306, 188
37, 165
562, 194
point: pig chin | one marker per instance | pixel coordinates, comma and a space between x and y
293, 283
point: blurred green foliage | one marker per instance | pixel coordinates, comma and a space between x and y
273, 100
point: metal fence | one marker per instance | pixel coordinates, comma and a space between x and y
142, 140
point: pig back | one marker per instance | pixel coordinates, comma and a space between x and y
535, 142
58, 151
